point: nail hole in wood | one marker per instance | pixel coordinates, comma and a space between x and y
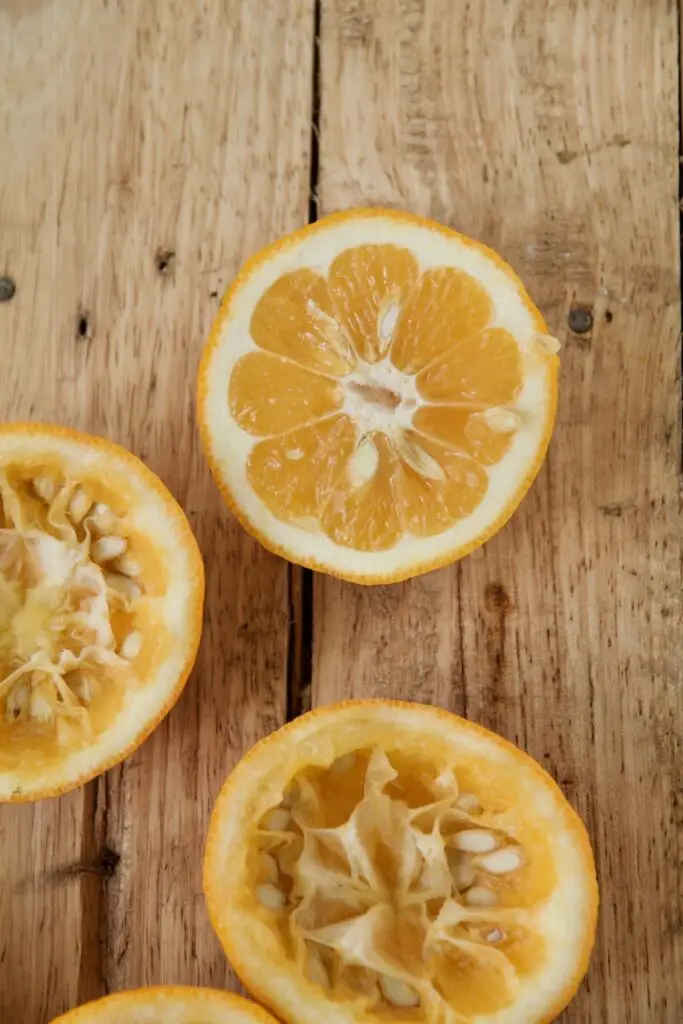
497, 599
7, 289
109, 861
82, 326
580, 320
164, 260
609, 316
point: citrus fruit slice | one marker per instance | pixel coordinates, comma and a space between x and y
168, 1004
101, 592
378, 861
376, 395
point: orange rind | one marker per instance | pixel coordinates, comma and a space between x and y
168, 1004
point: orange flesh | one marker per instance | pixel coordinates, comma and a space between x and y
36, 616
471, 958
377, 356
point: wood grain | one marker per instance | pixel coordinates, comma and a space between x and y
549, 130
147, 149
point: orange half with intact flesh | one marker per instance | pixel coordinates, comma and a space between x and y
376, 861
101, 595
168, 1004
376, 396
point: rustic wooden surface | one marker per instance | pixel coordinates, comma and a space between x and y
145, 151
549, 130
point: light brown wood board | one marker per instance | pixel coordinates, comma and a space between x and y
550, 131
145, 151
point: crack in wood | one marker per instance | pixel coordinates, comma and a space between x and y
679, 55
300, 580
315, 116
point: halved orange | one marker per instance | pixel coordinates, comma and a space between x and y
168, 1004
377, 395
101, 594
379, 861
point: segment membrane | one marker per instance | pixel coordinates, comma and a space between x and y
78, 619
270, 395
371, 908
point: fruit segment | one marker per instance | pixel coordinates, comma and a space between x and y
430, 505
483, 368
362, 512
445, 307
369, 286
295, 474
465, 430
270, 395
296, 318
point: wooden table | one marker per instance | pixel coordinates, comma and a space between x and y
146, 149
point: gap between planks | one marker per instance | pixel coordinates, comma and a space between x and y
300, 655
679, 54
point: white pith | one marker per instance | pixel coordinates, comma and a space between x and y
371, 416
63, 562
230, 446
262, 781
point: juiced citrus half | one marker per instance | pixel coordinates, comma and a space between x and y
378, 861
376, 396
101, 593
168, 1004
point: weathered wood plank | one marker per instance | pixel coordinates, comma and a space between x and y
550, 131
147, 149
